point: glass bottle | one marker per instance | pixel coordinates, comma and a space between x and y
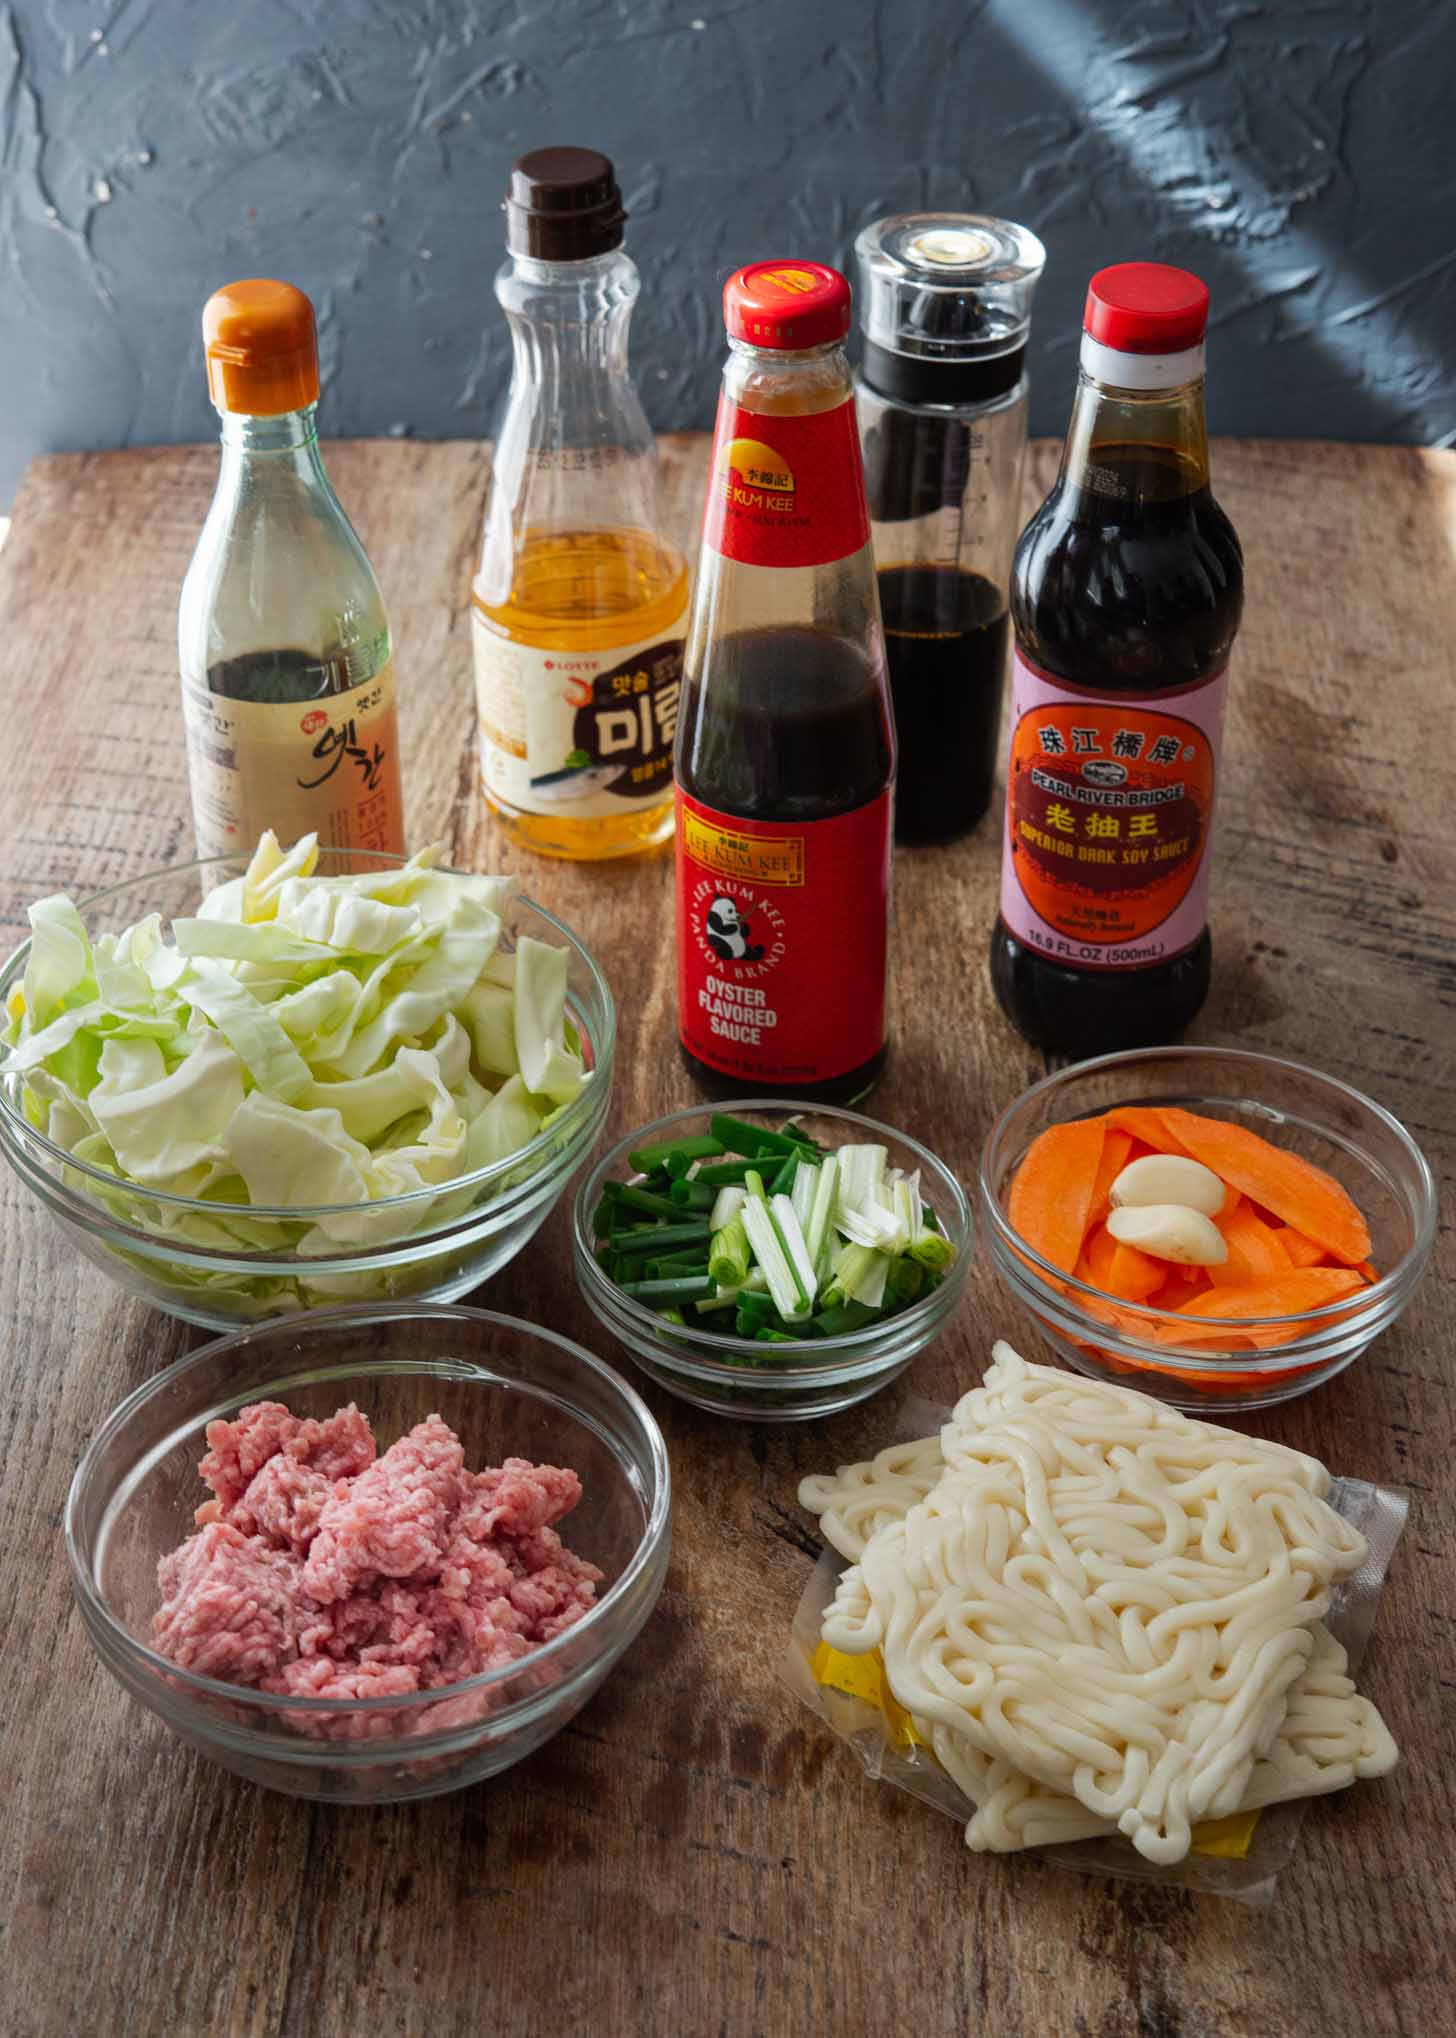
785, 752
1127, 590
580, 603
282, 636
945, 307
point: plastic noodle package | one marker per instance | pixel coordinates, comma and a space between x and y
1291, 1724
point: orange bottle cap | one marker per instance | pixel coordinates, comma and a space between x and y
262, 348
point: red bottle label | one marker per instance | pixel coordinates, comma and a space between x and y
781, 939
1109, 805
786, 491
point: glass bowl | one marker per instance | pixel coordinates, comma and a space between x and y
458, 1235
1316, 1116
506, 1388
786, 1382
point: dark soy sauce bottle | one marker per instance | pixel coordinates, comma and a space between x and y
1126, 595
785, 758
945, 301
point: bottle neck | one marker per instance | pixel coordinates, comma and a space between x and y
273, 450
569, 320
1145, 444
777, 383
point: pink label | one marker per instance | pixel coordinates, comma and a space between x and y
1109, 807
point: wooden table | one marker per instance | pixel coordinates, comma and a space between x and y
695, 1855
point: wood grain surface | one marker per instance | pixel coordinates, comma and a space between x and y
695, 1854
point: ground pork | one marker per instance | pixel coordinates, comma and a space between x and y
323, 1570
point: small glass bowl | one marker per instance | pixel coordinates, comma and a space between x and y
506, 1388
459, 1235
786, 1382
1367, 1150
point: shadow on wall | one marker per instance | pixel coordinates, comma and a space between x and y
153, 149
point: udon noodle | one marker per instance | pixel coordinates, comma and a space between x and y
1100, 1614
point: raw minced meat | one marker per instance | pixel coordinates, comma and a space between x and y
321, 1569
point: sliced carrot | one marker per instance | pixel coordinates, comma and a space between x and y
1115, 1150
1291, 1188
1302, 1251
1051, 1191
1118, 1269
1256, 1251
1367, 1268
1147, 1124
1287, 1294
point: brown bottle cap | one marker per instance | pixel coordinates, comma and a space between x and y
563, 205
262, 348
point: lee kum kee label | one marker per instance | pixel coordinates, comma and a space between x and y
781, 941
777, 496
1109, 807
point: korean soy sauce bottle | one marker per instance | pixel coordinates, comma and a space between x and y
1126, 595
785, 759
287, 665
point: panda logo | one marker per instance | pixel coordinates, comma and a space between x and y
727, 933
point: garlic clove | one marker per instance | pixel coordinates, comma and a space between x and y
1170, 1231
1169, 1178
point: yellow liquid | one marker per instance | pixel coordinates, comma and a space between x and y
589, 591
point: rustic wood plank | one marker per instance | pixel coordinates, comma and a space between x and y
694, 1855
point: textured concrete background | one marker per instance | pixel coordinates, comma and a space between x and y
1298, 153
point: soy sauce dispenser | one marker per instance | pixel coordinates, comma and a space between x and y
945, 303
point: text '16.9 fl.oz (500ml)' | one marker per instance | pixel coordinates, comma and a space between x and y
785, 749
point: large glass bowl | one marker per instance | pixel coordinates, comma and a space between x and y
1324, 1120
506, 1388
784, 1382
457, 1235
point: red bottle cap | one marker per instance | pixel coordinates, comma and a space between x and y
1146, 308
786, 304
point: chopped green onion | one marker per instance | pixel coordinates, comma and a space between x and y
690, 1195
696, 1146
783, 1179
718, 1174
801, 1190
817, 1229
843, 1318
650, 1237
680, 1288
905, 1279
929, 1245
774, 1337
642, 1199
729, 1201
739, 1137
728, 1254
791, 1297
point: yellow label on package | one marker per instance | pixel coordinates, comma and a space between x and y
733, 852
863, 1677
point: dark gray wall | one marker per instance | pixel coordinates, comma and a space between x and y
1298, 153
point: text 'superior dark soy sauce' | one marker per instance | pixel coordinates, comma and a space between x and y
785, 754
945, 636
1126, 596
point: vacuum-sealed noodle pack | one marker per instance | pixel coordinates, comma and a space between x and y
1082, 1621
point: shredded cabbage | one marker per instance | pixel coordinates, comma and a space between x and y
302, 1042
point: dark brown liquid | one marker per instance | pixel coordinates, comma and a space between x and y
945, 633
1134, 586
279, 676
792, 726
